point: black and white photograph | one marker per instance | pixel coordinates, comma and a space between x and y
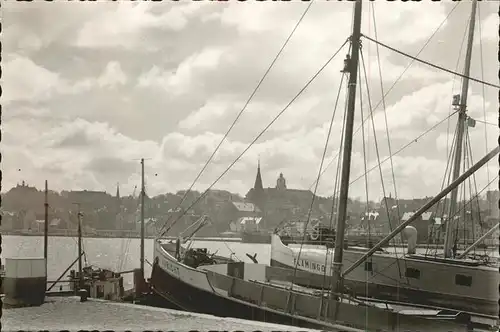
235, 165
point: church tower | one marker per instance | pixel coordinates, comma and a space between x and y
281, 183
118, 191
257, 194
258, 180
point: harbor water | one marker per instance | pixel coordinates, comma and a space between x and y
123, 254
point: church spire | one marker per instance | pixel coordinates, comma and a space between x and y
117, 190
258, 178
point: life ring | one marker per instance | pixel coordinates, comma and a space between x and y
315, 234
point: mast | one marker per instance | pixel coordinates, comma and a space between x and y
80, 272
449, 239
46, 225
352, 68
425, 208
142, 216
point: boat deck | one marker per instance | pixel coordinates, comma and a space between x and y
68, 313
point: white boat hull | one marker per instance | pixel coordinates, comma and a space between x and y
400, 278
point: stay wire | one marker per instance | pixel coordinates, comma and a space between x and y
405, 146
385, 117
367, 216
471, 161
378, 153
431, 64
319, 173
261, 133
483, 88
335, 200
402, 73
450, 154
242, 110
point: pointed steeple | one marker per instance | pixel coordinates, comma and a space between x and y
118, 190
258, 179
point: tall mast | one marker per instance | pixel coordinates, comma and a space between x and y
346, 157
46, 225
143, 192
80, 270
462, 118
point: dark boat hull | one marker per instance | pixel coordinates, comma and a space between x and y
183, 296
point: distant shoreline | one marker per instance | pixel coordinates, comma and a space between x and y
131, 235
114, 235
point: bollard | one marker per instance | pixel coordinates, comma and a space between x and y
83, 294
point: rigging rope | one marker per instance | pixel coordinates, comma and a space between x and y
405, 146
337, 184
471, 161
319, 174
398, 211
243, 109
261, 133
385, 118
402, 73
474, 197
485, 132
431, 64
450, 153
378, 153
482, 87
365, 167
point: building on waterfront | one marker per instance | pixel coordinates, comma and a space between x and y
232, 212
280, 202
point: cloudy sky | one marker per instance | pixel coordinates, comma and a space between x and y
88, 88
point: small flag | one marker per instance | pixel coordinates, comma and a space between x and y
471, 122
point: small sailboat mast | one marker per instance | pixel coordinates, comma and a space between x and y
143, 193
450, 233
46, 226
80, 269
351, 66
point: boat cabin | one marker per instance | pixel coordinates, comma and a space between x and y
99, 283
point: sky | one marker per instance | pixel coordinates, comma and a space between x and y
90, 88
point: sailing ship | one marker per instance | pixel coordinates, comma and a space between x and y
449, 281
195, 280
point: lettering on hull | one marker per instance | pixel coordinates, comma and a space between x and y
309, 265
168, 266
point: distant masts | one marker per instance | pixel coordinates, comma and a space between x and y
143, 193
46, 226
80, 269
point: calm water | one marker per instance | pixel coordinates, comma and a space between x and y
113, 254
120, 254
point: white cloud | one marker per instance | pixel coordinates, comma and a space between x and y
92, 92
489, 28
122, 23
112, 75
181, 79
25, 80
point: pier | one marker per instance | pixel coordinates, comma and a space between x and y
68, 313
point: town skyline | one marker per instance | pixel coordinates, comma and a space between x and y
240, 196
